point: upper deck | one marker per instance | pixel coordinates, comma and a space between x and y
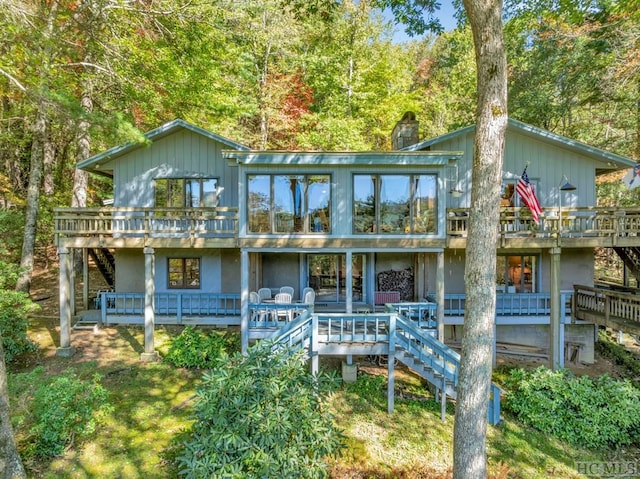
218, 228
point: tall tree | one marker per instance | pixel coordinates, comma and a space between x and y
474, 380
10, 465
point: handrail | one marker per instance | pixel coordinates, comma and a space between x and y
118, 221
575, 222
607, 303
440, 358
295, 335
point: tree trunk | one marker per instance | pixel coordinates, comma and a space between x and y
10, 463
33, 195
469, 457
81, 177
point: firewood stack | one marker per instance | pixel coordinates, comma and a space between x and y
401, 281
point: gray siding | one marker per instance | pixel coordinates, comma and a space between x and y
182, 154
547, 165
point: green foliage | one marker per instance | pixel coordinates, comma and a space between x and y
594, 413
195, 348
619, 355
261, 415
65, 407
14, 308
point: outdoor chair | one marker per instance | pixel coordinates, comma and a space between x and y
306, 290
283, 298
264, 293
257, 314
287, 289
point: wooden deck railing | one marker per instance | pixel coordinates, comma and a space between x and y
608, 308
223, 221
146, 222
591, 221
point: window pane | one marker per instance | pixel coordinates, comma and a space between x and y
394, 203
192, 272
161, 199
192, 193
176, 273
425, 204
176, 193
259, 192
364, 213
319, 200
288, 204
209, 197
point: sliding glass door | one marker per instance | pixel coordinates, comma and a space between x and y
327, 276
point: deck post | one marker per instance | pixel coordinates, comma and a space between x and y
244, 301
85, 278
65, 350
149, 354
440, 294
555, 347
315, 358
349, 282
391, 383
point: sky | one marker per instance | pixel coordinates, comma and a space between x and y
445, 14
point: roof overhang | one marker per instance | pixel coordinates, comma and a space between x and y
367, 158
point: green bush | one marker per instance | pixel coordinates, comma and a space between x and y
261, 415
65, 407
14, 308
591, 412
194, 348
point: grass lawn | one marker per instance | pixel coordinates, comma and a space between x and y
152, 403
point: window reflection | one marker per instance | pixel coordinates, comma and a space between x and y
185, 192
394, 204
294, 203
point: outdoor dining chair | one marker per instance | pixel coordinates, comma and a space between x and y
287, 289
264, 293
283, 298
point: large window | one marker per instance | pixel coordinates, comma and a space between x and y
183, 273
186, 192
289, 203
396, 204
516, 274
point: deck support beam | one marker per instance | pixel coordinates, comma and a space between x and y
244, 301
440, 294
556, 344
150, 353
65, 282
85, 278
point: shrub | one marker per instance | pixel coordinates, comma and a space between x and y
594, 413
260, 415
65, 407
194, 348
14, 308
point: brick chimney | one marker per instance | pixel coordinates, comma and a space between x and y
405, 133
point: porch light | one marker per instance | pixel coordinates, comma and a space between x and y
565, 185
456, 192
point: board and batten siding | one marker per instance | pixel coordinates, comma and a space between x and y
183, 154
548, 163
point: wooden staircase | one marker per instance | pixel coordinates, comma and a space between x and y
407, 343
631, 258
106, 264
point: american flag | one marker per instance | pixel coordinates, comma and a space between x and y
528, 196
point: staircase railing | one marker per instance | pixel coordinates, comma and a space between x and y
399, 332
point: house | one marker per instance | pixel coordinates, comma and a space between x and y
199, 221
